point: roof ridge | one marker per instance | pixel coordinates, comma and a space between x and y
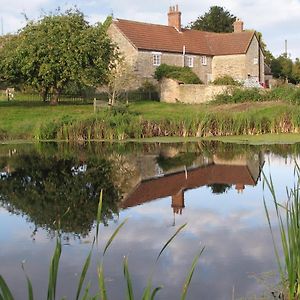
140, 22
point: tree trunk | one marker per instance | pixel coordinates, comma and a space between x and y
55, 96
44, 94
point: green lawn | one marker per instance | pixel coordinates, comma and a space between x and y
21, 119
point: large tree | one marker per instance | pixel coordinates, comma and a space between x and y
58, 49
218, 19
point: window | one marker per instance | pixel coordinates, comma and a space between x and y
189, 61
204, 60
255, 61
156, 59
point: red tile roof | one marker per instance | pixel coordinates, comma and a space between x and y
169, 185
154, 37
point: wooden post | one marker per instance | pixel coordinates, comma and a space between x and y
95, 105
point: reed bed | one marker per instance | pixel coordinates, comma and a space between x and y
288, 218
149, 292
127, 125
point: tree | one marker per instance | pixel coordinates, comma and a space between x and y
216, 20
282, 67
58, 49
44, 187
296, 71
120, 79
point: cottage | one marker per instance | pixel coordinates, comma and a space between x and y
210, 55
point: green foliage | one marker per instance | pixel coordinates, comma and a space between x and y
238, 95
285, 93
284, 68
217, 19
183, 74
58, 184
57, 50
226, 80
182, 159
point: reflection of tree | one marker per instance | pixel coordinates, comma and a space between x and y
219, 188
44, 188
180, 160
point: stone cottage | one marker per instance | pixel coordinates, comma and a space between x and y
210, 55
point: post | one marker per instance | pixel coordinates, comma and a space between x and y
259, 58
95, 105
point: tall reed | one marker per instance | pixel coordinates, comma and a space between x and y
288, 218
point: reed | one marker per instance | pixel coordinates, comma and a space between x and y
288, 218
122, 126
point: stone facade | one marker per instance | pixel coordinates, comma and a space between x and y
172, 92
240, 66
145, 69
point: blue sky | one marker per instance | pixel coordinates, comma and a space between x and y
278, 20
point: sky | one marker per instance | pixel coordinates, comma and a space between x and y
278, 20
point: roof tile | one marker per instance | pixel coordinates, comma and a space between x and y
154, 37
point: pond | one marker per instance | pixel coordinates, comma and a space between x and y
216, 188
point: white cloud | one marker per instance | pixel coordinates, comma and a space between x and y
278, 20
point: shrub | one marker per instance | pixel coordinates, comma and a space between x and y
238, 95
226, 80
184, 74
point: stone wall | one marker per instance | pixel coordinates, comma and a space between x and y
239, 66
232, 65
252, 66
129, 51
171, 92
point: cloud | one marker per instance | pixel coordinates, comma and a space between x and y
277, 21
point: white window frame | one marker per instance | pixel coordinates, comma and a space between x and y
189, 61
204, 60
156, 58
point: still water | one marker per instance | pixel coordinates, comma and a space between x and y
217, 189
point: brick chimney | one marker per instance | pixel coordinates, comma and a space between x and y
174, 17
238, 26
178, 202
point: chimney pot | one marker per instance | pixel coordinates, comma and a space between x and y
174, 17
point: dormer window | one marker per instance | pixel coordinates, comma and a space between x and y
204, 60
156, 59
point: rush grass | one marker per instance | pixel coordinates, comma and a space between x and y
288, 219
129, 125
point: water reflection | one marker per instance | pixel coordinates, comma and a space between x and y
148, 183
216, 171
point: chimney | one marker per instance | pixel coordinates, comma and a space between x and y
238, 26
174, 17
178, 202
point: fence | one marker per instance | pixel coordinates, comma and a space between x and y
130, 96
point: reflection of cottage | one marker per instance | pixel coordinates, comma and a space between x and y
240, 172
209, 55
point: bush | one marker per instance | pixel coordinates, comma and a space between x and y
183, 74
226, 80
237, 95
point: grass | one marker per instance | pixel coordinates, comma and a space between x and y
31, 120
149, 293
288, 218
